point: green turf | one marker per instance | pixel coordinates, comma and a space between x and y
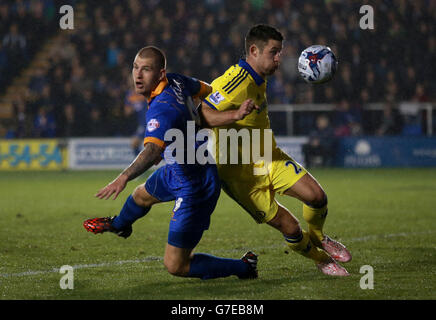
386, 218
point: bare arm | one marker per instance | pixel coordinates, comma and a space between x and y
215, 118
143, 161
149, 156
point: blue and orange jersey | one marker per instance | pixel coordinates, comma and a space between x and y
171, 107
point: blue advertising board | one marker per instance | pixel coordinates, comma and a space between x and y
373, 152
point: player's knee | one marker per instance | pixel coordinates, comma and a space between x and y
141, 197
174, 268
292, 230
285, 222
318, 198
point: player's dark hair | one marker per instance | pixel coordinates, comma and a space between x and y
259, 35
155, 53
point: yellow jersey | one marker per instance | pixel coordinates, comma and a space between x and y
239, 83
251, 181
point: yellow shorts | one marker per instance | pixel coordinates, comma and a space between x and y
257, 197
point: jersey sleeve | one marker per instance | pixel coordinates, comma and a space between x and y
157, 124
227, 93
193, 87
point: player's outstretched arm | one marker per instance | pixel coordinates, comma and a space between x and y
149, 156
215, 118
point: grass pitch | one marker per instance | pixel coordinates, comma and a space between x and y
386, 217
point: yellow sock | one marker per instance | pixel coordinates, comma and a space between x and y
304, 246
315, 218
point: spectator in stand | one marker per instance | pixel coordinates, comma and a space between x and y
329, 95
374, 89
4, 132
347, 119
138, 103
320, 148
420, 93
5, 17
343, 82
44, 124
391, 123
15, 43
43, 98
3, 57
290, 95
3, 65
127, 121
307, 96
71, 125
276, 88
408, 78
22, 121
289, 62
112, 54
94, 128
38, 81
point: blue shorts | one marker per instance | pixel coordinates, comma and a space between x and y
194, 202
186, 240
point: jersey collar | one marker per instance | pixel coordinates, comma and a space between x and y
257, 78
158, 90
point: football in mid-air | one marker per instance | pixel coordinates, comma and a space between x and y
317, 64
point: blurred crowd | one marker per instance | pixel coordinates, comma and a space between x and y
87, 90
23, 24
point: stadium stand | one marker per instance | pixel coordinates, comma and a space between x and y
70, 82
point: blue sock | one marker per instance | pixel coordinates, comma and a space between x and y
129, 214
206, 266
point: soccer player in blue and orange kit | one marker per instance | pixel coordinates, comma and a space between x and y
195, 188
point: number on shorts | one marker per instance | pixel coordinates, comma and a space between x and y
296, 168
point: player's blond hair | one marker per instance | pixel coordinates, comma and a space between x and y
155, 53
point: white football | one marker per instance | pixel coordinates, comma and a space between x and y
317, 64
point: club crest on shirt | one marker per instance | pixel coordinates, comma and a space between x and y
152, 125
216, 97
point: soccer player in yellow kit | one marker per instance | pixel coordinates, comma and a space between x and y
238, 101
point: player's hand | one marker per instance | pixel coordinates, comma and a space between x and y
246, 108
113, 188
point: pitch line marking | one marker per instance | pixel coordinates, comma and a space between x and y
82, 266
151, 258
391, 235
